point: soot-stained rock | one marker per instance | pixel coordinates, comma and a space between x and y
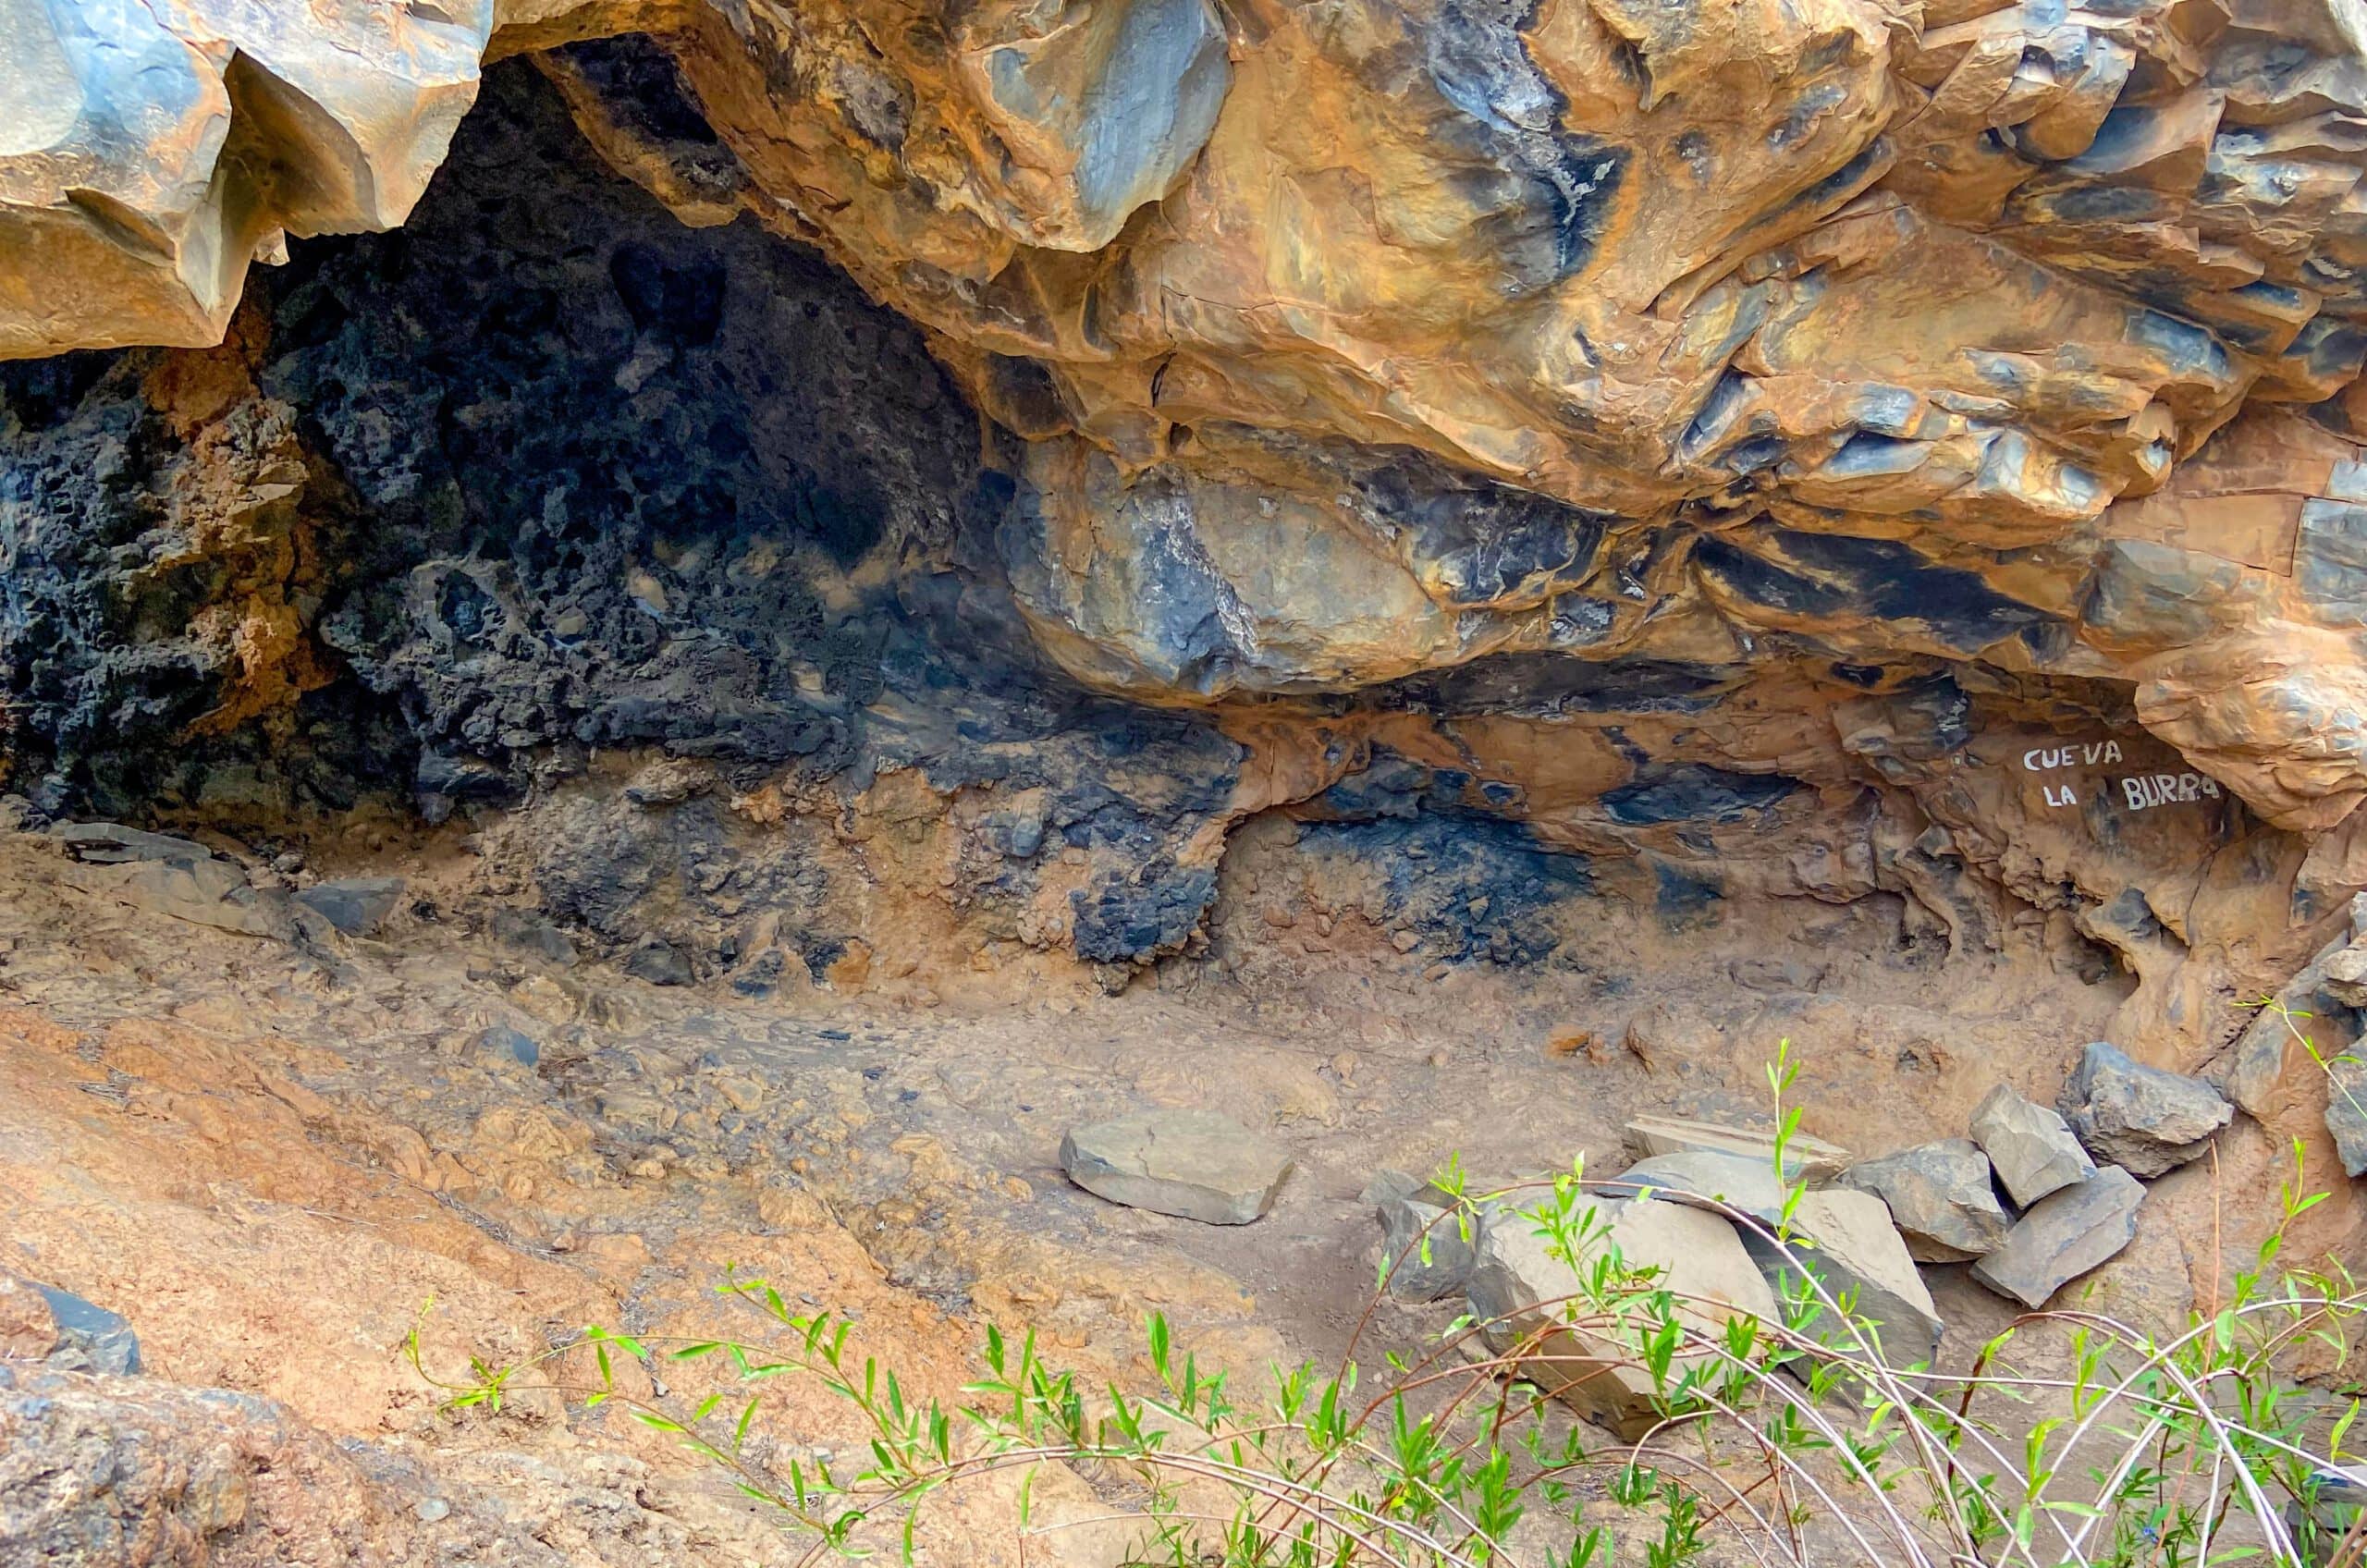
1471, 887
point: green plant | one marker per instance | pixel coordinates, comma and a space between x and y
1783, 1444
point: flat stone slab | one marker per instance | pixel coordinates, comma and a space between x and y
1852, 1249
111, 843
2070, 1232
1940, 1197
2141, 1118
2030, 1146
1806, 1158
1193, 1164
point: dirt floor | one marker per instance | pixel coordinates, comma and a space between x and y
274, 1156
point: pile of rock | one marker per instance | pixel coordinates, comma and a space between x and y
2033, 1199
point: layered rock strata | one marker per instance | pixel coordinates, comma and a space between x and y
1693, 455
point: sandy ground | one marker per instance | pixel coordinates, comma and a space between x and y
272, 1159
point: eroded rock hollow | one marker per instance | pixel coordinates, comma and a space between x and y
829, 493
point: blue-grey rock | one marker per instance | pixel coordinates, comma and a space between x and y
2141, 1118
2070, 1232
355, 905
2030, 1146
507, 1046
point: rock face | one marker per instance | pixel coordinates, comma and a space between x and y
1692, 458
2030, 1146
97, 1472
1939, 1195
1193, 1164
2064, 1235
2141, 1118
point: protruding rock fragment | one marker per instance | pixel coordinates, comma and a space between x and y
660, 963
1851, 1249
1425, 1250
2141, 1118
2030, 1146
2076, 1229
1519, 1289
64, 1332
1805, 1159
1940, 1197
2346, 1113
2345, 976
1193, 1164
111, 843
355, 905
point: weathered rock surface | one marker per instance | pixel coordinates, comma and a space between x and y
355, 905
1843, 454
61, 1331
2347, 1112
2141, 1118
2063, 1236
1193, 1164
1939, 1195
1853, 1254
1425, 1253
1520, 1291
1806, 1158
110, 1473
2030, 1147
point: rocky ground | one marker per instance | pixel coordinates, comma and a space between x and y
272, 1153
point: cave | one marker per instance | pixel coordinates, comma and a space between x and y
629, 630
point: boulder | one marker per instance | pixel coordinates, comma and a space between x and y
2030, 1147
2064, 1235
503, 1047
1851, 1249
1518, 1290
355, 905
2141, 1118
1193, 1164
1808, 1159
660, 963
2347, 1112
1425, 1254
1940, 1197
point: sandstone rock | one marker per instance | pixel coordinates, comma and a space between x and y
1852, 1251
1939, 1195
1425, 1252
1518, 1287
1193, 1164
2063, 1236
2141, 1118
1808, 1159
355, 905
2030, 1148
